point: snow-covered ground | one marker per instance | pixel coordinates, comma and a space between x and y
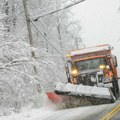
49, 111
43, 109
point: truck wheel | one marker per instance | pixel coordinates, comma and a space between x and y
115, 88
113, 96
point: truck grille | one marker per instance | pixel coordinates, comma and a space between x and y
87, 79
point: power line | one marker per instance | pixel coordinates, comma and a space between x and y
46, 38
68, 6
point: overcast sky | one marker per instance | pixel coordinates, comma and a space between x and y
100, 22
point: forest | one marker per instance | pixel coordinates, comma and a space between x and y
35, 36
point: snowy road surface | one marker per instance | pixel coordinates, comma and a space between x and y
49, 113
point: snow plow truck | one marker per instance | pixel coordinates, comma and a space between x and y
91, 74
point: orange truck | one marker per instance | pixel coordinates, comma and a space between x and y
91, 72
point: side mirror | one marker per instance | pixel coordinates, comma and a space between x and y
69, 65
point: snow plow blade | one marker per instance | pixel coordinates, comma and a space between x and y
82, 90
54, 97
70, 96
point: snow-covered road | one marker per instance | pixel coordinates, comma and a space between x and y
50, 113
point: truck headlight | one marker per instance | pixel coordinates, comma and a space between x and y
74, 72
102, 66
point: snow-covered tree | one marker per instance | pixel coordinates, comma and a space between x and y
53, 36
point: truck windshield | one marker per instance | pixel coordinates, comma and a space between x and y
90, 64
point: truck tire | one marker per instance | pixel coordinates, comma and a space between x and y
115, 88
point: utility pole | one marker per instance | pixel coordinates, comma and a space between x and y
28, 25
30, 37
29, 29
